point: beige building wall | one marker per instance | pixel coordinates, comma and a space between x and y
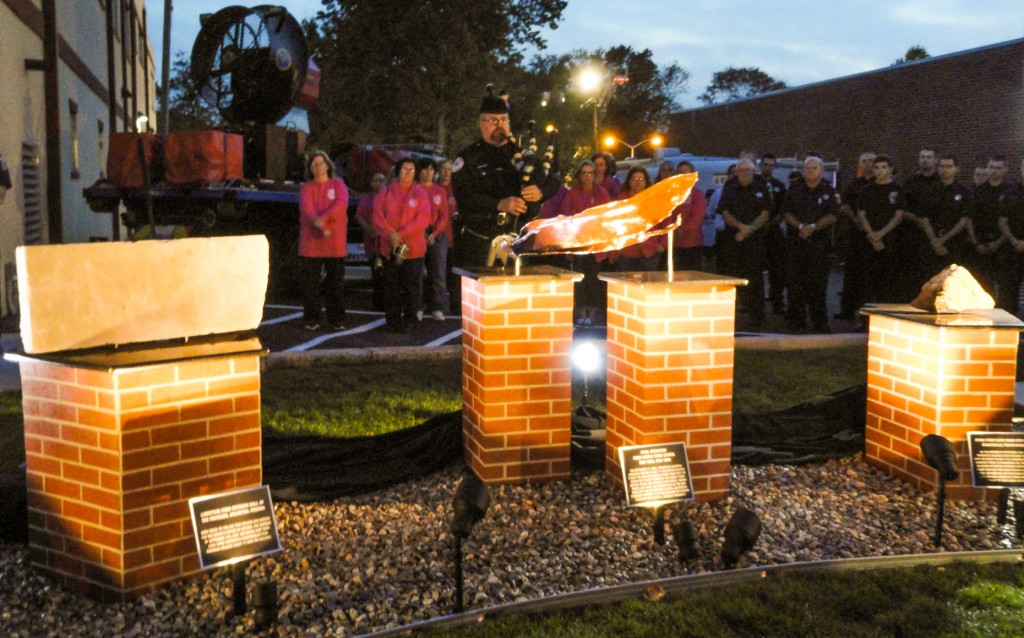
83, 105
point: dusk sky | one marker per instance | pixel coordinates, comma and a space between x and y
796, 41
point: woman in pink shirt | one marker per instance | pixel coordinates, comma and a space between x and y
437, 241
364, 217
605, 164
591, 293
401, 214
323, 225
687, 239
647, 254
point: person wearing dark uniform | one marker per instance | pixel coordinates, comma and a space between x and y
1011, 258
855, 245
746, 208
988, 239
775, 241
947, 227
880, 209
811, 205
492, 199
921, 193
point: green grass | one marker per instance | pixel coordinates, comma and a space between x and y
957, 600
370, 398
767, 380
360, 399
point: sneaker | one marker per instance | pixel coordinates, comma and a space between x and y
419, 315
437, 315
311, 327
337, 325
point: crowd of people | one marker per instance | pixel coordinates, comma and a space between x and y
891, 236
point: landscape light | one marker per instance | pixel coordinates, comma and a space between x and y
686, 537
587, 359
264, 603
471, 501
741, 532
940, 454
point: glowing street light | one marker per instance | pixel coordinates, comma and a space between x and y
592, 80
655, 140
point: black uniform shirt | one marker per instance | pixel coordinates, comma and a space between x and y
986, 211
809, 205
1011, 207
778, 192
5, 174
922, 194
745, 203
482, 176
880, 203
854, 189
954, 202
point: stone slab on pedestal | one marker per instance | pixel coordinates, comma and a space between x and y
78, 296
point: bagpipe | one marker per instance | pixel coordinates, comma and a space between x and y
532, 169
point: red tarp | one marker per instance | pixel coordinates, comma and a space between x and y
202, 157
124, 170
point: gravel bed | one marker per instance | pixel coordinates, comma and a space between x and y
357, 565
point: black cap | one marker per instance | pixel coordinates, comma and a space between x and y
492, 103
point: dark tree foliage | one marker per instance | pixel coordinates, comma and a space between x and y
188, 110
640, 107
916, 52
733, 84
408, 71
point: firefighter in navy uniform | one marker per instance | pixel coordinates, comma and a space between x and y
809, 208
492, 200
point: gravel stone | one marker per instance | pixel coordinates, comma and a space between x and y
381, 560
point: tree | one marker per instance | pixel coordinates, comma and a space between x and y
395, 71
733, 84
188, 110
642, 105
916, 52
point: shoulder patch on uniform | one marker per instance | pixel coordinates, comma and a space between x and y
458, 164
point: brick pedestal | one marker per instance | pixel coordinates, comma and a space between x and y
516, 373
114, 452
937, 374
670, 370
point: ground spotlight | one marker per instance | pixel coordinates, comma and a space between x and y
471, 501
940, 454
264, 603
686, 537
588, 422
741, 533
587, 359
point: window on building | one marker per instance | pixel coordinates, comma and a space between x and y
31, 184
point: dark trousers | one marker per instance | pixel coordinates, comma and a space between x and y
746, 259
688, 258
403, 288
807, 274
1008, 279
326, 274
775, 252
855, 274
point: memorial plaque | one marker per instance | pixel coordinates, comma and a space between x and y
234, 526
655, 475
997, 458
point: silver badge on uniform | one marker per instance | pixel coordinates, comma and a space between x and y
759, 195
892, 197
459, 163
958, 197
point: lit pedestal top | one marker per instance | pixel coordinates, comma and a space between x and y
681, 278
526, 273
995, 319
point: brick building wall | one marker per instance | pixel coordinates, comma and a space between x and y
970, 104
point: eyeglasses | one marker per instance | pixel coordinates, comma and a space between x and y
586, 172
637, 178
495, 121
318, 162
408, 169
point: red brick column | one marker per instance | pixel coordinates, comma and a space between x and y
670, 370
114, 455
516, 373
937, 379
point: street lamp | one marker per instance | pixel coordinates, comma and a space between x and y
655, 140
591, 81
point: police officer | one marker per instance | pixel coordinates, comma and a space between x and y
922, 193
947, 228
774, 239
855, 245
746, 208
987, 236
488, 188
809, 208
1011, 258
